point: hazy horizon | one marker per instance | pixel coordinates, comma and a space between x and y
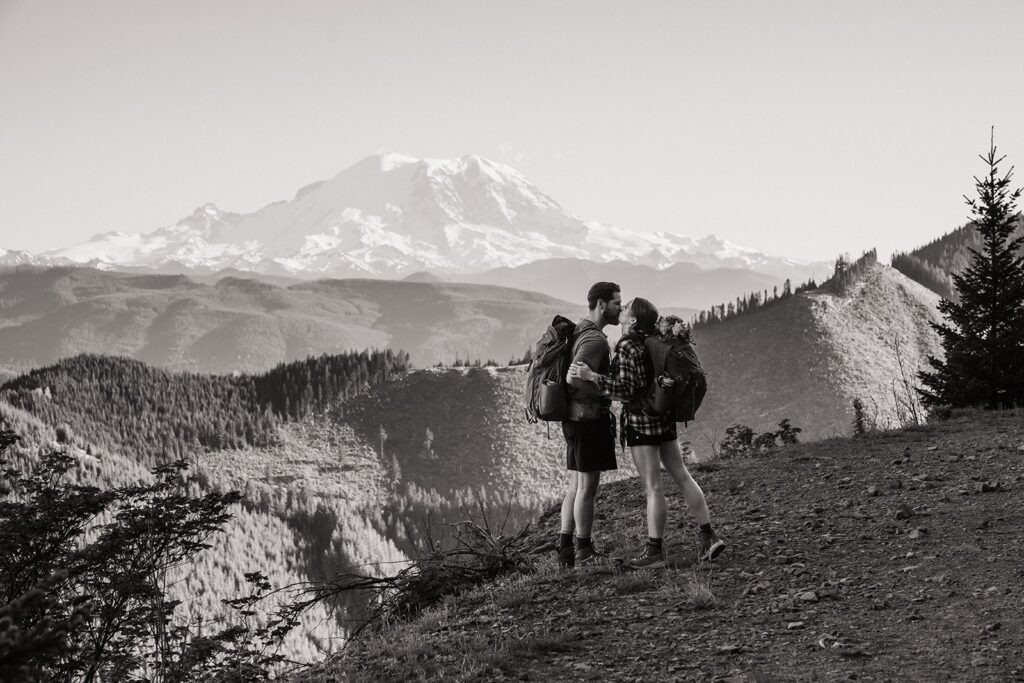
794, 128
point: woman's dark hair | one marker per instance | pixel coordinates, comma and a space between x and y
646, 315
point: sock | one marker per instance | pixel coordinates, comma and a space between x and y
582, 542
654, 542
706, 529
564, 540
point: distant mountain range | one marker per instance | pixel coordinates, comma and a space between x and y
681, 285
392, 215
238, 324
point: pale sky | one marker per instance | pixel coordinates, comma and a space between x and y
801, 128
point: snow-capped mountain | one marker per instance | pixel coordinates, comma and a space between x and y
17, 258
392, 215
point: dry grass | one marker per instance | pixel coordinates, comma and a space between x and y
698, 592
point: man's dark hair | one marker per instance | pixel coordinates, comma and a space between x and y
601, 291
646, 315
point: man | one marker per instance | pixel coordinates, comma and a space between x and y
590, 430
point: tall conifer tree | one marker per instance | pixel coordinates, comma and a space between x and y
983, 335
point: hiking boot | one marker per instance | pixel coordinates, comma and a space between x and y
711, 546
588, 557
652, 557
566, 556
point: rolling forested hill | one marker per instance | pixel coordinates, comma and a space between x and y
244, 325
934, 264
119, 418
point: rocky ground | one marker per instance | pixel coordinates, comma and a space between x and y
891, 556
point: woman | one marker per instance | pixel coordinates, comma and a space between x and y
652, 440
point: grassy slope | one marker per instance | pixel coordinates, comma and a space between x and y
822, 579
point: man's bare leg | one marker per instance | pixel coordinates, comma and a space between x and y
566, 547
568, 520
583, 510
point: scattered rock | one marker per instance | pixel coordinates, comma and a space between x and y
994, 626
872, 490
793, 625
918, 532
808, 596
904, 511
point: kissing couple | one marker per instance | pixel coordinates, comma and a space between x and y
595, 378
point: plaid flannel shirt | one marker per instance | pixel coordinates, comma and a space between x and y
627, 377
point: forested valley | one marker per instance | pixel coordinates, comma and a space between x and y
344, 463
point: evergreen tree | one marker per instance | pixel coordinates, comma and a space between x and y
983, 336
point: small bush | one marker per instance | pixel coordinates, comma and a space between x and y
738, 440
764, 442
787, 433
742, 440
700, 595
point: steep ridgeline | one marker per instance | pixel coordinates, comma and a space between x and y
808, 356
247, 326
934, 264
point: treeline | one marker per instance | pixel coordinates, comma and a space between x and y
125, 405
293, 390
846, 272
750, 303
934, 264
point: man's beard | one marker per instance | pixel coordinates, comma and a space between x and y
610, 319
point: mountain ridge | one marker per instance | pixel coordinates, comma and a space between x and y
241, 324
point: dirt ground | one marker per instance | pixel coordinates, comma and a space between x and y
891, 556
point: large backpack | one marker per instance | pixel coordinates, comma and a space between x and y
546, 396
676, 359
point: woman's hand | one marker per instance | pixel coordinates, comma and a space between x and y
580, 371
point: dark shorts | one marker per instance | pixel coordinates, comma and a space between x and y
635, 438
590, 446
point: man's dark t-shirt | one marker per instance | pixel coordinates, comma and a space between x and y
590, 431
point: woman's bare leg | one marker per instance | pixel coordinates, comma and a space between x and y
648, 467
672, 458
